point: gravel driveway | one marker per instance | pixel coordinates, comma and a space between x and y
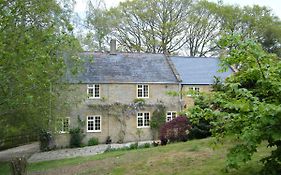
25, 150
31, 151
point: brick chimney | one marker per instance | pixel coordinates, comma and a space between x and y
113, 47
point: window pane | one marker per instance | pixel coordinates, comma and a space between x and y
139, 92
146, 119
97, 90
90, 92
145, 90
90, 125
97, 123
140, 121
66, 125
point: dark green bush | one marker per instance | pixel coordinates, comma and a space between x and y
146, 145
46, 140
93, 141
76, 137
200, 130
134, 146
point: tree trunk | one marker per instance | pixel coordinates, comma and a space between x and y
18, 166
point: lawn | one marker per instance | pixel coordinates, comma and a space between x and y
193, 158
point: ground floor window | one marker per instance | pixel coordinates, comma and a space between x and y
94, 123
170, 115
143, 119
63, 125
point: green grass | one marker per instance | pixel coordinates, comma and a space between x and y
193, 158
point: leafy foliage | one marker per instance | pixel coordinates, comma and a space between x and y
76, 137
46, 141
173, 26
33, 37
247, 106
175, 130
158, 118
93, 141
77, 134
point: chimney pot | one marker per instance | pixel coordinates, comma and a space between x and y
113, 46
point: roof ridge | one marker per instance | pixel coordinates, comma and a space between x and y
173, 68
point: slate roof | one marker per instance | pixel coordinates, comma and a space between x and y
124, 68
199, 71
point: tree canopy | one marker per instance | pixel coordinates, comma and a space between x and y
247, 106
179, 27
34, 36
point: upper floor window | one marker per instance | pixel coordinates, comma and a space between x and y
170, 115
142, 91
94, 123
195, 89
63, 125
93, 91
143, 119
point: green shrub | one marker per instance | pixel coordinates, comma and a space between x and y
76, 137
146, 145
93, 141
46, 139
133, 146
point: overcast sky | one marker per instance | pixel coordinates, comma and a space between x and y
275, 5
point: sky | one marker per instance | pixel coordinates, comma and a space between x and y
275, 5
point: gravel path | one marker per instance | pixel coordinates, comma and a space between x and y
25, 150
76, 152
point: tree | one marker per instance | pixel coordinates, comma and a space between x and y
34, 37
203, 29
99, 25
247, 106
155, 26
252, 22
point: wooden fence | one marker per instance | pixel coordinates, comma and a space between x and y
17, 140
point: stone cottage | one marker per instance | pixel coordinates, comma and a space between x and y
116, 93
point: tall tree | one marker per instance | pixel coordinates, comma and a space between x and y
155, 26
98, 24
247, 106
203, 29
253, 22
34, 35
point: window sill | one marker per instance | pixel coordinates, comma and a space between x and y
94, 98
63, 132
141, 127
97, 131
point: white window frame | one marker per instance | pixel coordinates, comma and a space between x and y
61, 123
170, 116
94, 123
142, 116
93, 87
194, 88
142, 88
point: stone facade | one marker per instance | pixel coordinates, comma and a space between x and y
114, 94
188, 101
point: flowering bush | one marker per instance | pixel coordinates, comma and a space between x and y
175, 130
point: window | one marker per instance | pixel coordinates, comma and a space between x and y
94, 123
143, 120
170, 115
93, 91
63, 125
195, 89
142, 91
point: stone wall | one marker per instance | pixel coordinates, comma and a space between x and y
188, 100
111, 94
